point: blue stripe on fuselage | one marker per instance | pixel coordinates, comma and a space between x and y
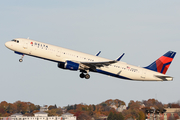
111, 74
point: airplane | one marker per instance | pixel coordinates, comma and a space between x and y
73, 60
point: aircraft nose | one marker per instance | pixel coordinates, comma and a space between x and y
7, 44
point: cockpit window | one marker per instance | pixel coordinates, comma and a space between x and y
15, 41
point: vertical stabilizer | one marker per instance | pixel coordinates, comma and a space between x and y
162, 64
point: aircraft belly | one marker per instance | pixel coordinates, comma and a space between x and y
130, 75
113, 72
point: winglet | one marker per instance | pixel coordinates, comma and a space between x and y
98, 53
119, 58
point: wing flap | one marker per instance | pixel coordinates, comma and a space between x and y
99, 64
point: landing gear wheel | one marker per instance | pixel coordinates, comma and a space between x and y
20, 60
87, 76
82, 75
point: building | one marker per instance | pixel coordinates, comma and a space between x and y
17, 115
68, 116
171, 113
44, 108
113, 106
121, 108
40, 116
118, 109
167, 114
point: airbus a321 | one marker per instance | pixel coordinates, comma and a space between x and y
85, 63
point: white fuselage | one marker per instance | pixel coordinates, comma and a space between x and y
59, 54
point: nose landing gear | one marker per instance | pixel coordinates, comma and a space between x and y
20, 60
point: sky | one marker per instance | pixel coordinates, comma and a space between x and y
143, 30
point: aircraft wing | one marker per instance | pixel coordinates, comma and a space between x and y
93, 65
99, 64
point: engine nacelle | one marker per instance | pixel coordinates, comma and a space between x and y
69, 65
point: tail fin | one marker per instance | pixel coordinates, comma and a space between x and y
162, 64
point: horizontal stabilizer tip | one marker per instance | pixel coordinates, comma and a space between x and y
164, 78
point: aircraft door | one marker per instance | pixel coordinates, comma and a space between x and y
143, 75
58, 54
25, 46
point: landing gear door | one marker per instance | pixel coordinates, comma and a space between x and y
58, 54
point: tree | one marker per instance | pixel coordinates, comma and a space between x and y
37, 107
10, 108
4, 106
110, 116
59, 111
94, 107
21, 107
119, 116
134, 105
31, 107
52, 107
153, 103
2, 111
52, 112
141, 115
90, 113
55, 106
78, 113
115, 116
84, 116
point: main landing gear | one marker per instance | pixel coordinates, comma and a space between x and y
82, 75
20, 60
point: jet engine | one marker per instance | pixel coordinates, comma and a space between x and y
69, 65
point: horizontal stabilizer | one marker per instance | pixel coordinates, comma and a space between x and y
164, 78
